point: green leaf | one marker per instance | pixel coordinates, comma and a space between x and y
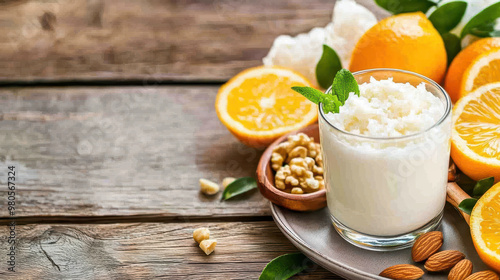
331, 104
467, 205
466, 183
483, 186
405, 6
327, 67
452, 45
486, 16
446, 17
343, 84
314, 95
284, 267
239, 186
485, 30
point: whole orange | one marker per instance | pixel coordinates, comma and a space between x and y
461, 62
406, 41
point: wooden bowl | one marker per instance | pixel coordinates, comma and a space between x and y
265, 177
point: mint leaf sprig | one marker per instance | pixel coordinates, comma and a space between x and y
343, 84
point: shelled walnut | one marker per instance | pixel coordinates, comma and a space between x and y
298, 164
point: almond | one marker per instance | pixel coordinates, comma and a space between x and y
483, 275
461, 270
426, 245
443, 260
402, 272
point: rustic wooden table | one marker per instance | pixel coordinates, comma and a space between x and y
106, 112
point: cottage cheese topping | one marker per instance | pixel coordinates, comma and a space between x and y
388, 109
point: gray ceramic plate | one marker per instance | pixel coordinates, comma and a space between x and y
314, 235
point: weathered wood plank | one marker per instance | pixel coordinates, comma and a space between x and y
118, 151
83, 40
146, 251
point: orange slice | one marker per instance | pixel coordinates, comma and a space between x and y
483, 70
258, 105
475, 138
462, 61
485, 227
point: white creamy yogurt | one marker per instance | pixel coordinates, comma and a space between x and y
385, 159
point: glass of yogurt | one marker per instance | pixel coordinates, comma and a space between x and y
386, 156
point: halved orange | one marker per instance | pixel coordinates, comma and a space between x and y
475, 138
483, 70
485, 227
462, 61
258, 105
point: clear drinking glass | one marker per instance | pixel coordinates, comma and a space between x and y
382, 193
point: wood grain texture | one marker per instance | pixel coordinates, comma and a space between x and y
120, 151
147, 251
202, 40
